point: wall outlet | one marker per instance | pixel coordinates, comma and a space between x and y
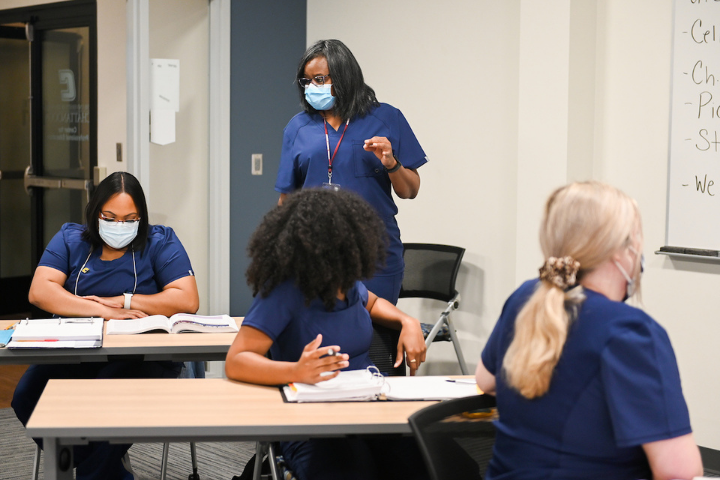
257, 163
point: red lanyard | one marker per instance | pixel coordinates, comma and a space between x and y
327, 143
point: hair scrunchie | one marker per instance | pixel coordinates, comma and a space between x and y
560, 272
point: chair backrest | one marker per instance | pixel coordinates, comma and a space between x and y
383, 351
430, 270
456, 437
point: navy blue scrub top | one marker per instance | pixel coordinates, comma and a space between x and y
615, 387
161, 262
291, 324
304, 162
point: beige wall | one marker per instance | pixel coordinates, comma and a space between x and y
469, 75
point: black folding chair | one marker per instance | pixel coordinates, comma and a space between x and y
383, 351
456, 437
430, 272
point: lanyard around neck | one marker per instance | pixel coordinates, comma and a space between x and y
327, 143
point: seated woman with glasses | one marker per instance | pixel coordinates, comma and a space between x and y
117, 266
587, 387
307, 259
346, 139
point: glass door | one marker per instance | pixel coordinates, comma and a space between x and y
48, 135
15, 206
62, 171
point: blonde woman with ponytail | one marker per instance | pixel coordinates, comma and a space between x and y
587, 386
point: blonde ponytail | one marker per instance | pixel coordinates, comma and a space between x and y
541, 328
583, 226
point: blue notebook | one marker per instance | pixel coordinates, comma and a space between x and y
5, 337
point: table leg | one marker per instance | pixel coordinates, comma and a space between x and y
259, 454
58, 460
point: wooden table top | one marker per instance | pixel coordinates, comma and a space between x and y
201, 409
152, 346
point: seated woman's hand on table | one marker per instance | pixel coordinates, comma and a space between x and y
47, 291
411, 342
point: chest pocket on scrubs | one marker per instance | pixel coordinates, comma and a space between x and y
366, 163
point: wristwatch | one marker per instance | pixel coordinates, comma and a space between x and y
396, 167
128, 300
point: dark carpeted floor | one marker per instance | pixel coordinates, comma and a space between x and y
216, 461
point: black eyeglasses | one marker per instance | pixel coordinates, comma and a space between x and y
317, 80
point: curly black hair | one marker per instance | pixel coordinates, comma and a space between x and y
324, 240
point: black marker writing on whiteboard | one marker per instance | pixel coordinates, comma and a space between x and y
702, 185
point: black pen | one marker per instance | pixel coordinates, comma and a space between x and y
462, 380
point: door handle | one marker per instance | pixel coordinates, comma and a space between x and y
31, 181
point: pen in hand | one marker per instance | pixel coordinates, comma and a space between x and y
331, 353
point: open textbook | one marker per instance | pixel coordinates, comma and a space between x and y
58, 333
178, 323
362, 385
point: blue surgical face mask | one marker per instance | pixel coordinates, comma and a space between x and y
320, 97
118, 234
631, 284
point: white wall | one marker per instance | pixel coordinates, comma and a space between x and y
452, 68
112, 84
632, 152
179, 29
463, 73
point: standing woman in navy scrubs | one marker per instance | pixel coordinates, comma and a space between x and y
115, 266
587, 386
346, 138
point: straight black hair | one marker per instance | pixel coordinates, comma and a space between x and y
353, 96
118, 182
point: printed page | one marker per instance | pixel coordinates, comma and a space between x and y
185, 322
211, 320
429, 388
138, 325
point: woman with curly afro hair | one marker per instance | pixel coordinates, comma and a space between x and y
307, 259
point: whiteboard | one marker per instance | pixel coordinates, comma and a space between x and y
693, 210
